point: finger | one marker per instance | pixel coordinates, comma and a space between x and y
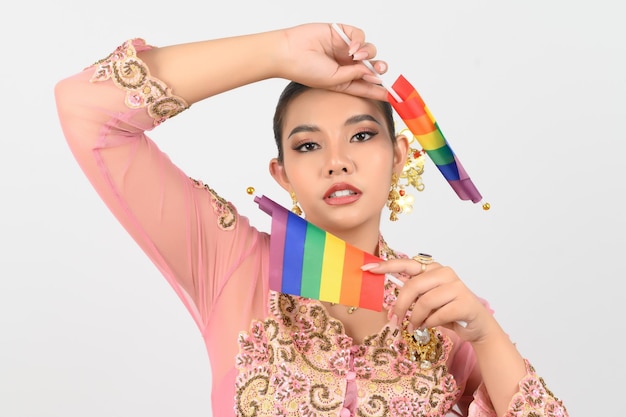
357, 70
364, 89
406, 266
380, 66
359, 49
351, 35
373, 79
431, 307
416, 287
367, 51
400, 284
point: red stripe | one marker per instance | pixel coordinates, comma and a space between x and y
372, 287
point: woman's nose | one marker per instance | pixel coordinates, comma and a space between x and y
339, 161
331, 172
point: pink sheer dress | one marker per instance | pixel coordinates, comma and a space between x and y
271, 354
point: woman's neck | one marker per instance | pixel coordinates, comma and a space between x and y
366, 239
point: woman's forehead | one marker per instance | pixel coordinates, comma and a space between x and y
316, 106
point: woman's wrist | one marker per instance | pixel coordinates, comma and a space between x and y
199, 70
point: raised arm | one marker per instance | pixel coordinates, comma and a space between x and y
194, 237
311, 54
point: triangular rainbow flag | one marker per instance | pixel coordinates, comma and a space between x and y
420, 121
309, 262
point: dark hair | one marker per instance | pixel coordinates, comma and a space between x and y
292, 91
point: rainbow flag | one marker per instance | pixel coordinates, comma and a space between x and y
309, 262
424, 127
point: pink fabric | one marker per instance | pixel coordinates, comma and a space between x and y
171, 219
218, 268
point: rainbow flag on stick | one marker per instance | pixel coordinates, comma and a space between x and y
309, 262
424, 127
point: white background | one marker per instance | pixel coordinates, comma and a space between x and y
529, 95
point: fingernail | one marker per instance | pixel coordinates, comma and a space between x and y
367, 267
393, 321
410, 328
372, 79
382, 67
359, 56
353, 48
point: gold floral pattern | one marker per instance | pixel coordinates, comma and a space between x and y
534, 399
225, 211
131, 74
297, 363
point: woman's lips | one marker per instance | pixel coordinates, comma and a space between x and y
342, 193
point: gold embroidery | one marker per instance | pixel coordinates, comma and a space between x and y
226, 213
534, 399
131, 74
300, 362
306, 356
376, 406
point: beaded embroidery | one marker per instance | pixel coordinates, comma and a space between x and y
299, 360
225, 211
534, 396
131, 74
297, 363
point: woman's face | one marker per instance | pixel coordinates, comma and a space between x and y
338, 159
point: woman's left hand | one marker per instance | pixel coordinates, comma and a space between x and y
439, 298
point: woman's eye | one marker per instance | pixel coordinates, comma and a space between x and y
307, 147
363, 136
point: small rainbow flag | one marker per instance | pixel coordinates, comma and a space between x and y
422, 124
309, 262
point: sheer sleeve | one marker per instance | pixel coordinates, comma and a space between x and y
533, 398
208, 253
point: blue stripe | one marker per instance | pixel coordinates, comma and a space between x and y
294, 254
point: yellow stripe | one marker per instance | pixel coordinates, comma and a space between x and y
431, 141
332, 269
432, 118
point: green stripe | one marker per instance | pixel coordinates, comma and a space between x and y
441, 156
312, 261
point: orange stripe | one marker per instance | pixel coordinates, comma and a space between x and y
352, 277
420, 125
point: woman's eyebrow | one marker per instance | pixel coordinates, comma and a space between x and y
360, 118
303, 128
350, 121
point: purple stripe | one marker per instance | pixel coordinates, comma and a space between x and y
277, 248
277, 239
466, 190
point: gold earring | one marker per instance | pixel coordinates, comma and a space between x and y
399, 201
393, 198
296, 208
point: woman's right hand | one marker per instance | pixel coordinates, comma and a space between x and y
317, 56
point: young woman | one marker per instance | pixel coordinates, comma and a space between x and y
434, 349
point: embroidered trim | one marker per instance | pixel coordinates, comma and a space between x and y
534, 398
226, 212
391, 290
131, 74
300, 362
